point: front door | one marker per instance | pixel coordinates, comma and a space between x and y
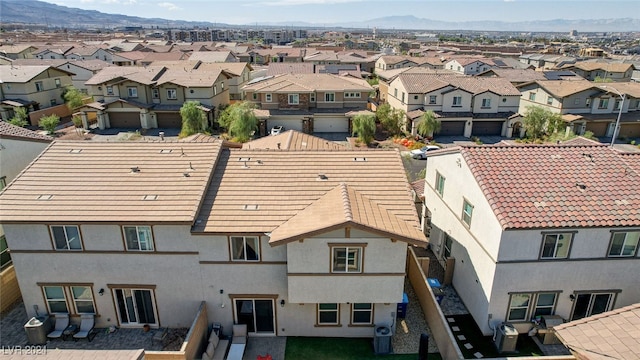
135, 307
591, 304
258, 314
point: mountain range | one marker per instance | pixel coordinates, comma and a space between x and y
34, 12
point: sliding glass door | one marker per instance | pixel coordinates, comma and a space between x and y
258, 314
135, 306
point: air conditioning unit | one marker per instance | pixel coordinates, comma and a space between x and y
506, 338
382, 339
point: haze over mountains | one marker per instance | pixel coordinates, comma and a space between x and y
33, 12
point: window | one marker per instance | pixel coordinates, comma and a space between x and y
545, 304
255, 96
328, 314
588, 304
172, 94
587, 102
415, 97
329, 97
353, 95
440, 183
138, 238
446, 248
532, 96
56, 301
5, 255
39, 86
155, 93
395, 93
486, 103
294, 99
603, 104
616, 105
267, 97
402, 97
215, 90
346, 259
66, 237
542, 303
467, 212
556, 246
549, 100
457, 101
222, 86
110, 90
624, 244
132, 92
432, 99
245, 248
83, 299
57, 82
361, 314
312, 97
53, 102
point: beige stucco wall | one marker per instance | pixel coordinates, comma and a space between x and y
447, 101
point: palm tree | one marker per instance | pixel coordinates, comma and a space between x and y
429, 124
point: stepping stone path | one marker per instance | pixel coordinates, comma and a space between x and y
461, 337
478, 355
455, 328
468, 346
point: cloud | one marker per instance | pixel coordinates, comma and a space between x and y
119, 2
86, 1
306, 2
169, 6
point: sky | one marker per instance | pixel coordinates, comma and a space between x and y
246, 12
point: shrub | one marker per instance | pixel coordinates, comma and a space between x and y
49, 123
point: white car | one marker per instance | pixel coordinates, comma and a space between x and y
422, 152
276, 130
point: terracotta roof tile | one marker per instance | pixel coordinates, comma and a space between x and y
293, 140
11, 131
550, 186
418, 188
425, 83
308, 82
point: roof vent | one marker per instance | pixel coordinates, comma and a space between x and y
588, 156
186, 174
359, 159
245, 159
259, 162
581, 186
165, 151
278, 145
250, 207
150, 197
75, 151
322, 177
135, 170
45, 197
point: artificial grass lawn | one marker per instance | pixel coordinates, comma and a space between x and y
303, 348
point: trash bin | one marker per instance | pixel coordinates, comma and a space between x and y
434, 283
402, 307
437, 289
37, 329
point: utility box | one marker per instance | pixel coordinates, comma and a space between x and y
37, 329
506, 338
382, 339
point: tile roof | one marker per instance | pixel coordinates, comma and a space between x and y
629, 88
289, 68
425, 83
340, 207
144, 75
609, 67
256, 191
308, 82
20, 73
16, 132
611, 335
418, 188
556, 186
211, 56
564, 88
112, 190
293, 140
516, 75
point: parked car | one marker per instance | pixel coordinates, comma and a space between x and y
422, 152
276, 130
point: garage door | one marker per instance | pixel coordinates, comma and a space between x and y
288, 124
125, 120
452, 128
629, 130
169, 120
487, 128
331, 125
598, 128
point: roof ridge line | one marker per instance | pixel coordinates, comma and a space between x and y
348, 212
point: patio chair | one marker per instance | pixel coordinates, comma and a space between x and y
62, 321
238, 342
87, 323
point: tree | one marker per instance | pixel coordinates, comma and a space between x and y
49, 123
193, 120
429, 124
239, 120
73, 97
539, 122
19, 117
365, 127
390, 118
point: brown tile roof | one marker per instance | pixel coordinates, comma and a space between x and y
16, 132
516, 75
111, 190
293, 140
556, 186
143, 75
340, 207
211, 56
20, 73
582, 141
611, 335
308, 82
467, 61
133, 55
425, 83
418, 188
289, 68
629, 88
563, 88
394, 59
632, 160
609, 67
256, 191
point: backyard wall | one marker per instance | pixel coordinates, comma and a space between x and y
60, 110
440, 330
9, 289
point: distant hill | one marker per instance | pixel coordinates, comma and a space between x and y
33, 12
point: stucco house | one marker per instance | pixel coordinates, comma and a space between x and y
161, 226
82, 70
536, 229
468, 66
592, 70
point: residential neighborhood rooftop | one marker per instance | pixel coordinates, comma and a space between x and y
293, 140
9, 131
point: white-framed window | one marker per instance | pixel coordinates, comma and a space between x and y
346, 259
328, 314
440, 180
172, 94
56, 299
588, 304
457, 101
222, 86
587, 102
312, 97
432, 99
624, 244
361, 313
603, 103
245, 248
66, 237
57, 82
486, 103
545, 304
215, 91
329, 97
267, 97
83, 299
395, 93
110, 90
616, 105
556, 246
39, 86
532, 96
351, 94
132, 92
138, 238
525, 306
155, 93
467, 212
5, 255
549, 100
294, 99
